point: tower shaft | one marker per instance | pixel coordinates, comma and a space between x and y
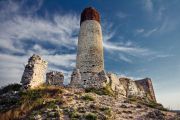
90, 48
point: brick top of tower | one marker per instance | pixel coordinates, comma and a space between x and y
90, 13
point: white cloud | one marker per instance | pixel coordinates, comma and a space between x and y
59, 32
66, 60
124, 58
132, 50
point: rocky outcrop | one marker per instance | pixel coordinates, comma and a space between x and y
34, 72
55, 78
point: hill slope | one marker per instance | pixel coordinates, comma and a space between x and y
50, 102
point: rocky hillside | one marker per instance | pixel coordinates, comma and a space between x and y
63, 103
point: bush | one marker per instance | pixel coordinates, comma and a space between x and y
91, 116
88, 98
10, 87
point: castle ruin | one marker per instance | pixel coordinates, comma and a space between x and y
89, 71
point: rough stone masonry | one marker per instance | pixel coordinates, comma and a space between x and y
55, 78
90, 60
34, 72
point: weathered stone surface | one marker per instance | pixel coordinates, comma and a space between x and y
114, 81
96, 80
76, 78
90, 49
116, 85
34, 72
90, 14
147, 87
55, 78
129, 88
134, 90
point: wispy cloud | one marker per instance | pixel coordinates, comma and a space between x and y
150, 32
124, 58
160, 56
148, 5
126, 48
57, 32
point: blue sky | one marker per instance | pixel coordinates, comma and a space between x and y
141, 39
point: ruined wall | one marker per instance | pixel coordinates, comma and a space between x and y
116, 85
95, 80
147, 87
34, 72
55, 78
76, 78
129, 88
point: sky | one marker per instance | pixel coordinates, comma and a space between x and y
141, 39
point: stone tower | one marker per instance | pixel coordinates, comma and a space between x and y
34, 72
90, 48
89, 70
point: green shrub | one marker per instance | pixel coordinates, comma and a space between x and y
88, 98
91, 116
10, 87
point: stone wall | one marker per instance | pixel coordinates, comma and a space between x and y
146, 86
34, 72
95, 80
55, 78
129, 88
76, 78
